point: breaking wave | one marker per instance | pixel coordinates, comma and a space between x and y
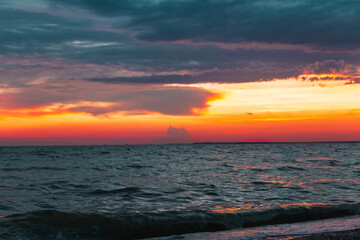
51, 224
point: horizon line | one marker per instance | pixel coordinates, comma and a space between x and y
194, 143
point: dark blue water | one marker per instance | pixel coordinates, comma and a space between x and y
128, 192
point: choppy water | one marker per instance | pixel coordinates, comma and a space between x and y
126, 192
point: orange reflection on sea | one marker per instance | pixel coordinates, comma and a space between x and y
341, 180
287, 165
269, 182
232, 209
318, 159
308, 204
247, 206
318, 167
224, 209
251, 167
264, 176
244, 167
283, 181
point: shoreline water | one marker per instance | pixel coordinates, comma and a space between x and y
336, 228
345, 235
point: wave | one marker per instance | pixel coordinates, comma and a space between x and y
52, 224
9, 169
138, 166
114, 191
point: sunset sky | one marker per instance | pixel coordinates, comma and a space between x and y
124, 71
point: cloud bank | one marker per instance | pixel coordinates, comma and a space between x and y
175, 136
101, 57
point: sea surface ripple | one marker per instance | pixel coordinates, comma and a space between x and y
141, 191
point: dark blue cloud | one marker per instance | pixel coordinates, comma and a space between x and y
24, 32
323, 24
140, 35
228, 76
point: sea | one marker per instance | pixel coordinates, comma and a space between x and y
176, 191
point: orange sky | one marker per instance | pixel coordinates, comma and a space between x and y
280, 110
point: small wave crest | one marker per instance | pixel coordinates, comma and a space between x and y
48, 224
295, 213
114, 191
9, 169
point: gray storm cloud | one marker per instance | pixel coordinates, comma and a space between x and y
329, 66
324, 23
243, 40
118, 98
84, 51
175, 136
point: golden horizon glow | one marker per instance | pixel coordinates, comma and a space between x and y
293, 109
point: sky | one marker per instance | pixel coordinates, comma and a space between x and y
166, 71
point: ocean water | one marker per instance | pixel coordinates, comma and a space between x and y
131, 192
